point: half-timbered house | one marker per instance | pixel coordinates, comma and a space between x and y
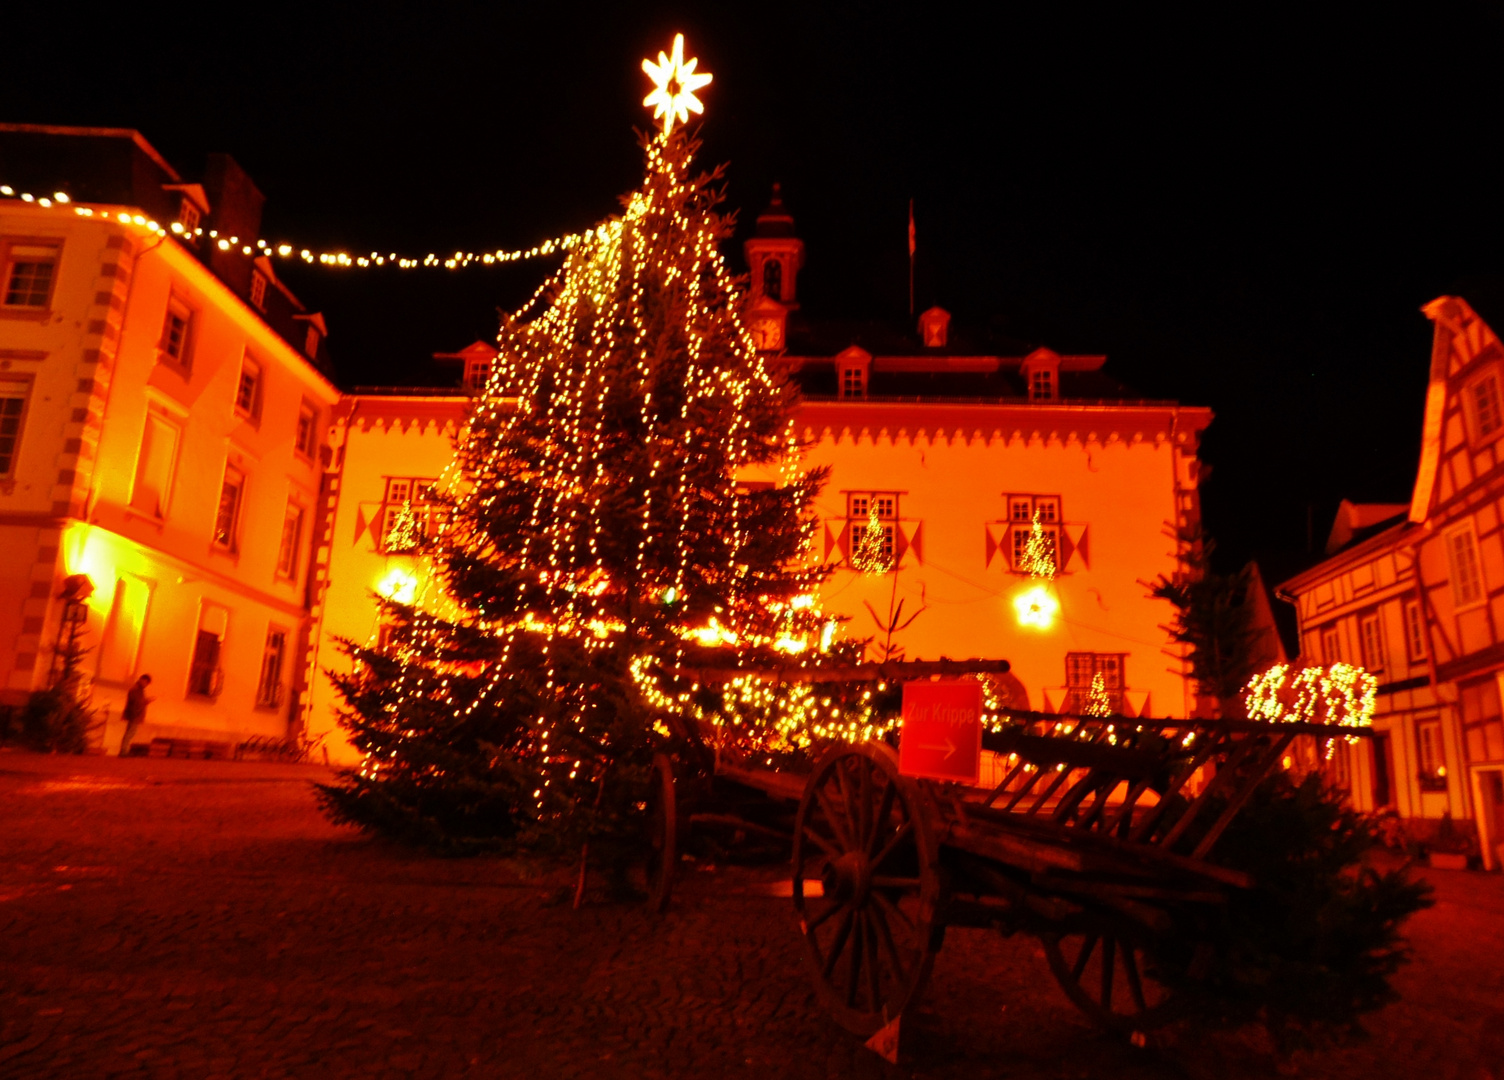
1416, 595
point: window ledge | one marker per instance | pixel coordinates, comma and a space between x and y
134, 514
225, 553
40, 315
173, 364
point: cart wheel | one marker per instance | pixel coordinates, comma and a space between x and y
663, 834
1105, 975
872, 929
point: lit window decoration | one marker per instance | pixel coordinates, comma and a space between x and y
406, 532
674, 86
1039, 552
1342, 695
1098, 701
1036, 607
872, 552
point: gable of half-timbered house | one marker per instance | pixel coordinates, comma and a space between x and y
1458, 489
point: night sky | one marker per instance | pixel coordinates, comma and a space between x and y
1243, 205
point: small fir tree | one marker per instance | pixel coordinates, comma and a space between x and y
1214, 617
598, 538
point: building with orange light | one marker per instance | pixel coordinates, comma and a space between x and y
952, 451
164, 403
1415, 594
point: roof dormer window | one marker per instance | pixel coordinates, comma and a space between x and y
1042, 385
853, 382
258, 289
852, 367
188, 216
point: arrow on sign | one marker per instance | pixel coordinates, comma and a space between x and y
949, 748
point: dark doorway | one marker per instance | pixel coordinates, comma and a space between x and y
1382, 794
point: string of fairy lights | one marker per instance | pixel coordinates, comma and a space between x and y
260, 247
672, 98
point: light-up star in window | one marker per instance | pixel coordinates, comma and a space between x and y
674, 86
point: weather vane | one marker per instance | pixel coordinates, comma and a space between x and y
674, 86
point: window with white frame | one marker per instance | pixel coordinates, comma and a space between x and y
258, 289
1042, 385
1467, 572
1431, 755
410, 513
269, 685
1415, 630
477, 372
156, 463
248, 389
1373, 642
28, 271
1488, 417
305, 439
1023, 509
13, 396
176, 326
205, 676
860, 507
1331, 645
853, 382
188, 215
1081, 672
292, 534
227, 514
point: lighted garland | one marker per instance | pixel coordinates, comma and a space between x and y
260, 247
1341, 695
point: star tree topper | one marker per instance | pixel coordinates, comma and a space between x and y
674, 86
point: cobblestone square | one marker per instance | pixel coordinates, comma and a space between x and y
165, 918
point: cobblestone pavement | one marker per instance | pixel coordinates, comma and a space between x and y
200, 919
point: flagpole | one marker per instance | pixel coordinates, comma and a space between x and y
911, 258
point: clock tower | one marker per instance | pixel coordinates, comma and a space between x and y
774, 257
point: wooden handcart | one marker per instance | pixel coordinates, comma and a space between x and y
1096, 840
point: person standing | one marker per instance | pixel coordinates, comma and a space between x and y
136, 702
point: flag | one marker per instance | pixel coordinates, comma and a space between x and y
911, 228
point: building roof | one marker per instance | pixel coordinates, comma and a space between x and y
118, 167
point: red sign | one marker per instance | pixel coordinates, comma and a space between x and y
942, 731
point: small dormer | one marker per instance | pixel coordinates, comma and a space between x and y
192, 210
1041, 372
316, 331
934, 328
477, 360
775, 254
853, 366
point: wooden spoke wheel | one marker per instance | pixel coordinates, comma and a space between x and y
1107, 975
871, 928
663, 834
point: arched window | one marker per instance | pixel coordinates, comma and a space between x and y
772, 279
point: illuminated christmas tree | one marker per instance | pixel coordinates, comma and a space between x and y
605, 530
